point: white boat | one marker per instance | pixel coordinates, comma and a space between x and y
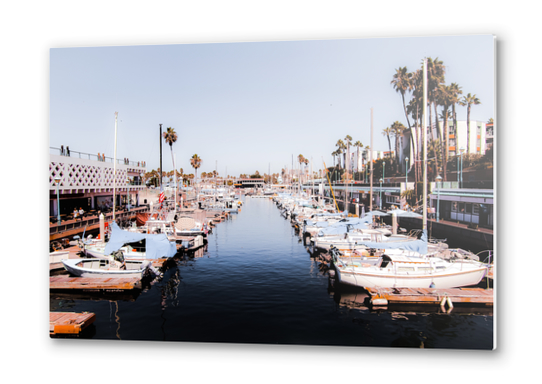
407, 266
109, 268
134, 245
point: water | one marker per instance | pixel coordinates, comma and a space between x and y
256, 283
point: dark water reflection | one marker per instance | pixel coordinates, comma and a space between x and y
256, 283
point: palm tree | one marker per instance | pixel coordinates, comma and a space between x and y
170, 136
340, 147
387, 132
455, 92
435, 77
468, 101
195, 162
397, 130
358, 145
402, 82
446, 101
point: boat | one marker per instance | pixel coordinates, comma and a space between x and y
134, 245
406, 265
109, 268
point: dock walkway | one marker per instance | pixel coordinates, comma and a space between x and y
384, 296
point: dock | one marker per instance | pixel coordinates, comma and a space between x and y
94, 284
69, 323
432, 296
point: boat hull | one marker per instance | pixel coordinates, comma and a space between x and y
101, 268
450, 279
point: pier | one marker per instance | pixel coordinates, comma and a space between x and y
442, 297
69, 323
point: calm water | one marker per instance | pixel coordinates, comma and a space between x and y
256, 283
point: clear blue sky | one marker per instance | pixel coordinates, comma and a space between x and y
248, 106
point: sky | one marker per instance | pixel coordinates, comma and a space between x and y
249, 106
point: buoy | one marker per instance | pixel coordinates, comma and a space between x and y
449, 301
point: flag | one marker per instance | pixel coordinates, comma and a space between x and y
162, 196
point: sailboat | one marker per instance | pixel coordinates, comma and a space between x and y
407, 264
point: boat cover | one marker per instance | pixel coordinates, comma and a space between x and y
157, 246
419, 246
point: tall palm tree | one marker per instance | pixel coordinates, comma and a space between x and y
170, 137
468, 101
387, 132
402, 82
455, 90
195, 162
397, 130
358, 145
340, 147
445, 100
435, 76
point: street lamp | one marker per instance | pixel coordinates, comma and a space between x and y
57, 182
381, 193
438, 196
383, 169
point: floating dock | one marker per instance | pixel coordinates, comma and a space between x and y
94, 284
442, 297
69, 323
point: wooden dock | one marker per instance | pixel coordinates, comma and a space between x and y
69, 323
94, 284
442, 297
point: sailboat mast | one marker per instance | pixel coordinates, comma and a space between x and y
115, 168
424, 128
371, 162
161, 158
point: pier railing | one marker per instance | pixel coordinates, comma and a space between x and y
90, 222
96, 157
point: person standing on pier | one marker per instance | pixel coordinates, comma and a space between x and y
61, 150
68, 150
81, 213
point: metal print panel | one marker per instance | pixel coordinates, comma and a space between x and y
275, 192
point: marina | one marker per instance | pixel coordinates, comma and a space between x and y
309, 255
249, 285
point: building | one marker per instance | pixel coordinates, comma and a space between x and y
86, 181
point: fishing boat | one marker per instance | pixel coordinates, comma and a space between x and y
406, 265
109, 268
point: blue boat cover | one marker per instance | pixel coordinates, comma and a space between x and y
419, 246
157, 246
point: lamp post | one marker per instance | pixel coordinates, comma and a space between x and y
438, 196
461, 177
57, 182
381, 193
383, 169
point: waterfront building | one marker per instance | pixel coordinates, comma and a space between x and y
86, 181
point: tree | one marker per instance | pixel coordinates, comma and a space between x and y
397, 130
387, 132
402, 82
195, 162
468, 101
358, 145
170, 137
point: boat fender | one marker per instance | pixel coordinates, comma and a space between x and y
379, 301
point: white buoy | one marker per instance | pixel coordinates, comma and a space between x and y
449, 301
379, 301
